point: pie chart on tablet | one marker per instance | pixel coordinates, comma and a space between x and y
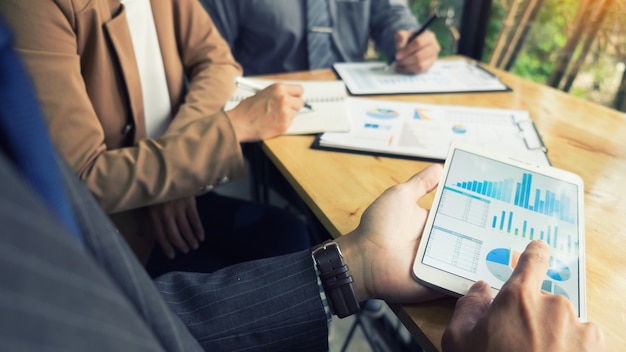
558, 270
551, 287
501, 262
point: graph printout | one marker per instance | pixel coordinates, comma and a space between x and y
426, 130
489, 211
445, 76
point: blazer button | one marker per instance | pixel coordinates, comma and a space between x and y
223, 180
207, 188
126, 130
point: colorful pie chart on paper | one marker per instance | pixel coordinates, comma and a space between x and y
459, 129
382, 113
420, 114
501, 262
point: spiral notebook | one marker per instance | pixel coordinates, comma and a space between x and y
327, 98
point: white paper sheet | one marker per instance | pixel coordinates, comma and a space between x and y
328, 99
445, 76
426, 130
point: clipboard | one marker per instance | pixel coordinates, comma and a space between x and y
425, 131
445, 76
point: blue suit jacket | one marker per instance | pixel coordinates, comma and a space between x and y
58, 295
269, 36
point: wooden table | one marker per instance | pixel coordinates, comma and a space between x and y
583, 137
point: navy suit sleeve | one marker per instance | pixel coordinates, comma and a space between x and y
270, 304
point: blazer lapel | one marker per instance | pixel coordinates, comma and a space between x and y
119, 34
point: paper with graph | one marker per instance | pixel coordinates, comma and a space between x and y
426, 130
445, 76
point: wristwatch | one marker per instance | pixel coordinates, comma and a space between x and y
336, 279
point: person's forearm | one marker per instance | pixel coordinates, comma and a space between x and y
208, 65
196, 158
95, 128
226, 309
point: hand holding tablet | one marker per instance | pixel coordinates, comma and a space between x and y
487, 209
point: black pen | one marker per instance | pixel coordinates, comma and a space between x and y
415, 34
255, 88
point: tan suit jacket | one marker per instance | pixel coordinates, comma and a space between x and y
80, 55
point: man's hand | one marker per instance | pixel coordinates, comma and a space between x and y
177, 225
380, 252
268, 113
521, 317
418, 55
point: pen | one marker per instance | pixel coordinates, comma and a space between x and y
415, 34
255, 87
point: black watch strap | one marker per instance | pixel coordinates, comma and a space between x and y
336, 279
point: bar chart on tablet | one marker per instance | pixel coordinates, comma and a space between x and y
487, 214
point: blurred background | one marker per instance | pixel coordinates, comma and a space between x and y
577, 46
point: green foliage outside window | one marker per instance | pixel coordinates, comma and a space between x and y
540, 55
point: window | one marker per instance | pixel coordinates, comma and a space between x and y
574, 45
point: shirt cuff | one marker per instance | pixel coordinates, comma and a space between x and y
323, 297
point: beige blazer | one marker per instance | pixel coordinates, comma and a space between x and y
81, 59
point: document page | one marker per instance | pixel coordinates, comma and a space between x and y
426, 130
445, 76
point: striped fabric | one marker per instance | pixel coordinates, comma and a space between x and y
55, 297
271, 304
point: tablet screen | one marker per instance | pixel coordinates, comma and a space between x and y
489, 210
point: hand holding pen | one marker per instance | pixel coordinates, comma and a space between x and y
266, 114
255, 87
416, 51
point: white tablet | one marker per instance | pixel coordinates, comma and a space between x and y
487, 208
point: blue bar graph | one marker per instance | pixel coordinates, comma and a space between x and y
521, 194
500, 190
506, 223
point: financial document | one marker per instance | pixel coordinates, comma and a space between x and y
426, 130
445, 76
